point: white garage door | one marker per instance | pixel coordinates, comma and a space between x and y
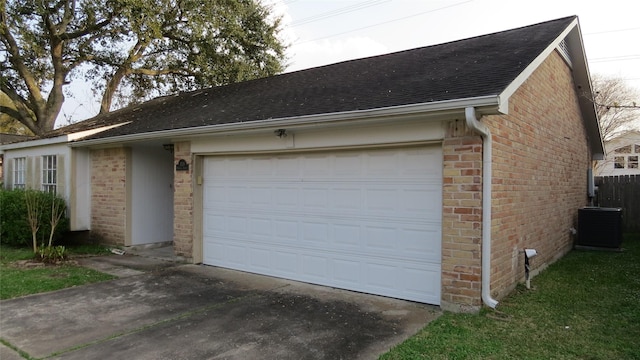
365, 220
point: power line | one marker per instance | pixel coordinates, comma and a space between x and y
384, 22
615, 58
339, 11
611, 31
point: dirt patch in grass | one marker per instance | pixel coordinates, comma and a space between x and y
34, 263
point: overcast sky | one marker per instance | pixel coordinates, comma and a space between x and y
325, 32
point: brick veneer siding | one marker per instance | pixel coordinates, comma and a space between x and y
109, 195
540, 162
183, 203
461, 219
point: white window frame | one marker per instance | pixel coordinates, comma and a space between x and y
49, 173
19, 173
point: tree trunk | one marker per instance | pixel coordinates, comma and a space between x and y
110, 89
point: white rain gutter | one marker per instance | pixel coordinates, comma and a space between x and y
475, 125
489, 102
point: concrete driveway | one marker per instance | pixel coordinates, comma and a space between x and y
203, 312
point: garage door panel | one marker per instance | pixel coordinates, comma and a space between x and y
261, 167
286, 229
260, 227
260, 195
325, 218
375, 237
259, 258
285, 264
287, 166
214, 223
315, 167
314, 197
347, 236
346, 198
218, 194
383, 164
315, 232
346, 272
429, 275
315, 267
414, 244
234, 195
233, 224
419, 201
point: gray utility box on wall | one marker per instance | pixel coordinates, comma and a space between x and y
600, 227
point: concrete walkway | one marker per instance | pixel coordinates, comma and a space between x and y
161, 309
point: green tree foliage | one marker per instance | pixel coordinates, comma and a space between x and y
129, 50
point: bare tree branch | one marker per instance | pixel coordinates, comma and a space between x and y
615, 104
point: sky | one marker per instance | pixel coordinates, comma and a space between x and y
330, 31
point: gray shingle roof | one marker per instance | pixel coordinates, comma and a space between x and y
474, 67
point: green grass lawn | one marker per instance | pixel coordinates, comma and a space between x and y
585, 306
20, 281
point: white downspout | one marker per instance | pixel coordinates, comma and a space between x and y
475, 125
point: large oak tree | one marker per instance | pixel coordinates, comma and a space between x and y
129, 50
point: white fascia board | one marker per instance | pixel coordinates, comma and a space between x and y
58, 139
35, 143
581, 77
526, 73
486, 104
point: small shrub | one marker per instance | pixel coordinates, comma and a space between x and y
52, 254
14, 228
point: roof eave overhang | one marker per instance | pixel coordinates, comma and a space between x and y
582, 80
35, 143
440, 110
61, 139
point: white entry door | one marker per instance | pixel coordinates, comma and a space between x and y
363, 220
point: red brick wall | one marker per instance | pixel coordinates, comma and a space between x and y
461, 219
540, 162
108, 195
183, 203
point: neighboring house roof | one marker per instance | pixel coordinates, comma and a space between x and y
625, 138
12, 138
488, 66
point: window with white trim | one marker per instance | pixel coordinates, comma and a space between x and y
19, 171
49, 173
626, 157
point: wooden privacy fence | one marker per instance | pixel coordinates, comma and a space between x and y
624, 192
